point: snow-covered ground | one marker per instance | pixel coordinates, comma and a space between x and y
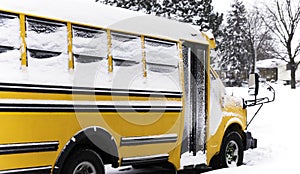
277, 129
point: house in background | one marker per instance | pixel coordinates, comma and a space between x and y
269, 69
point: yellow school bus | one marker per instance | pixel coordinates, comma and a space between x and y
78, 94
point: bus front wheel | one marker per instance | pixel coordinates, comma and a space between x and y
231, 153
84, 161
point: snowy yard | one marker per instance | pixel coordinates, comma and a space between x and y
277, 130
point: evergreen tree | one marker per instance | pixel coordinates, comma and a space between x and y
235, 61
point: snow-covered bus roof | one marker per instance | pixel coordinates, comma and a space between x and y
97, 14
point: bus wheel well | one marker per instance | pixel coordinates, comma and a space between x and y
237, 128
94, 138
86, 144
215, 160
234, 127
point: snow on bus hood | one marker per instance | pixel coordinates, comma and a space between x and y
232, 101
233, 107
92, 13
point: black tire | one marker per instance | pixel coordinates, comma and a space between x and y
232, 152
85, 161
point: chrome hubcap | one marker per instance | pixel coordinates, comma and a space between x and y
232, 154
85, 168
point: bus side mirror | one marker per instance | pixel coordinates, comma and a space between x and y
253, 84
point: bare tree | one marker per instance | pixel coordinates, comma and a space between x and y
260, 44
283, 21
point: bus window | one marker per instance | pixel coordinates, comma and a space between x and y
45, 39
47, 48
89, 44
9, 24
90, 53
162, 64
127, 61
161, 54
126, 50
9, 45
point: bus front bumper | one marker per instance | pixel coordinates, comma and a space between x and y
251, 143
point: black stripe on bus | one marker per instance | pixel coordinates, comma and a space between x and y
11, 87
154, 159
6, 149
142, 140
7, 107
32, 170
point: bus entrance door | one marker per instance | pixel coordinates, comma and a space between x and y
194, 58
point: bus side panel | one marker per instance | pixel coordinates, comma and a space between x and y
32, 129
23, 128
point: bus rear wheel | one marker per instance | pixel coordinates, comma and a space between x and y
84, 161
